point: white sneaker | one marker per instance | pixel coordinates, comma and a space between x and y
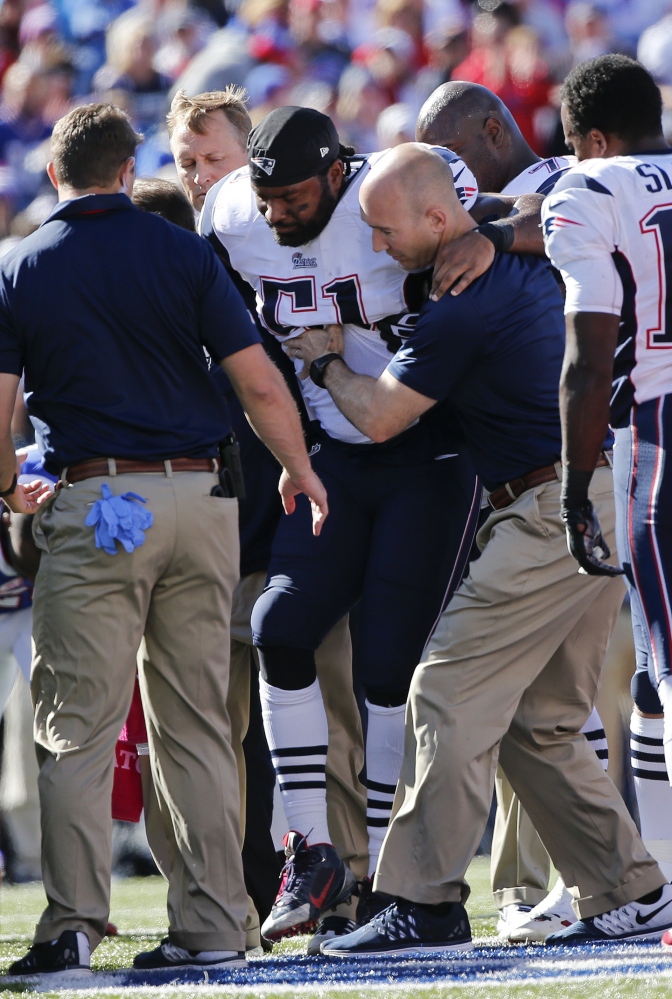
553, 914
631, 922
511, 916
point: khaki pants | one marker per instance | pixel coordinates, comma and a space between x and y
519, 864
91, 611
346, 795
512, 670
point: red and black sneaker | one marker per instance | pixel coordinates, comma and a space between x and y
314, 879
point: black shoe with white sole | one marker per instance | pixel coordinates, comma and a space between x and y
645, 919
169, 955
71, 952
327, 929
370, 902
406, 927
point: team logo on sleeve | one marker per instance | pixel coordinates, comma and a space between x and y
554, 222
264, 163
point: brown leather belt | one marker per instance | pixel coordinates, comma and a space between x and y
126, 466
505, 495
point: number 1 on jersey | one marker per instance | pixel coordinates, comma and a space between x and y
345, 294
658, 222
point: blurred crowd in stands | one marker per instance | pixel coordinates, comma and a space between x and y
368, 63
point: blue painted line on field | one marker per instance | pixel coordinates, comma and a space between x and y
484, 964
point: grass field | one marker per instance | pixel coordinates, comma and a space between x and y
138, 909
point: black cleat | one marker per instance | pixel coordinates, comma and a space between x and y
403, 928
169, 955
370, 902
314, 880
71, 952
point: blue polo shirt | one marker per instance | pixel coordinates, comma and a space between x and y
108, 309
495, 353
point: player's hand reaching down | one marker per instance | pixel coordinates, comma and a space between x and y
585, 541
28, 496
309, 483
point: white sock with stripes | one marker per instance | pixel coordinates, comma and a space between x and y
296, 728
652, 786
597, 737
665, 695
384, 753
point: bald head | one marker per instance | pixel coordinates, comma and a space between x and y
478, 126
409, 201
413, 176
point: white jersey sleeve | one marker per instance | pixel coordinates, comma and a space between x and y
541, 177
466, 185
580, 228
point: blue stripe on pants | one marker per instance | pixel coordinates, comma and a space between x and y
649, 526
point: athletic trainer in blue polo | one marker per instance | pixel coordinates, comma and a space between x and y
511, 670
108, 310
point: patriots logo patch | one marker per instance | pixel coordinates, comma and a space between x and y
554, 222
264, 163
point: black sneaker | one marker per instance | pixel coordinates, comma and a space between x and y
405, 927
314, 880
327, 929
370, 902
646, 918
169, 955
71, 952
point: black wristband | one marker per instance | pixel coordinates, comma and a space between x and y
500, 234
319, 365
574, 493
12, 488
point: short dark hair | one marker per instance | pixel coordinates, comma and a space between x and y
89, 144
615, 94
163, 198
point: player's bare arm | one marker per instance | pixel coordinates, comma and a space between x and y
585, 386
463, 260
22, 498
585, 392
275, 419
381, 408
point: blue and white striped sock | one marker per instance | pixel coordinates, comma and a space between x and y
384, 756
652, 787
297, 732
597, 737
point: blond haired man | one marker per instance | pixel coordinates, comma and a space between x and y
208, 137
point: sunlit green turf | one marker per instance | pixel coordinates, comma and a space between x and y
138, 910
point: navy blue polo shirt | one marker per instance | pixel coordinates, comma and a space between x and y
108, 309
495, 353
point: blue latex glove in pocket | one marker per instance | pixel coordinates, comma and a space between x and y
119, 518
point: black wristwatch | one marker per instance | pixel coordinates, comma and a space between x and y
12, 488
319, 365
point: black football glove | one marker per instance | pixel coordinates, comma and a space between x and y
585, 541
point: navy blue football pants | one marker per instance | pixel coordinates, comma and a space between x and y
643, 493
397, 538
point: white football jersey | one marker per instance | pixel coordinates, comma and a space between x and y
608, 229
336, 278
541, 177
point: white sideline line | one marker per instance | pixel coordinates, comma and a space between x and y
317, 988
